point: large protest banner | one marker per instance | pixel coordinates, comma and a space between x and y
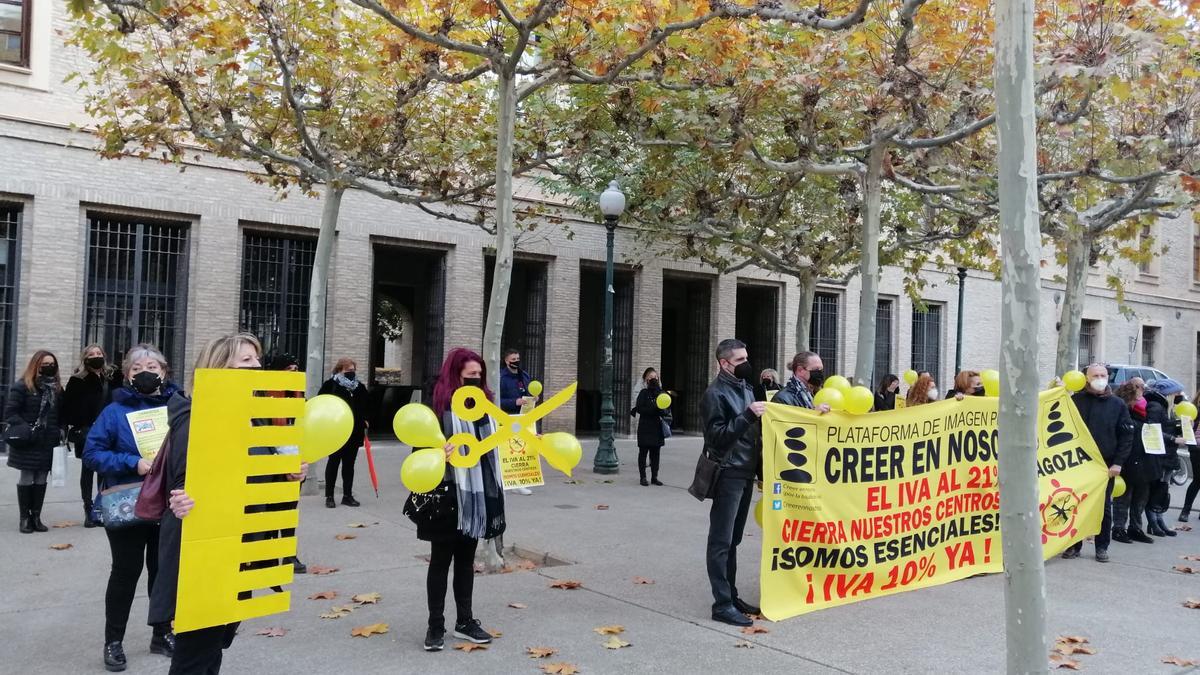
862, 506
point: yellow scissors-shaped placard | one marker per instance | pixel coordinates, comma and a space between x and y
471, 404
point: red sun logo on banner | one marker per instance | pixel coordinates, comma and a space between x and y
1059, 512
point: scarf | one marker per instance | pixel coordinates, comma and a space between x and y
347, 383
475, 519
802, 392
1139, 407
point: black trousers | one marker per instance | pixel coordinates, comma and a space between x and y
199, 652
344, 457
653, 454
1190, 496
132, 547
1128, 508
726, 523
86, 478
1104, 537
461, 552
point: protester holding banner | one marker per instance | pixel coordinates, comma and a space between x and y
120, 447
514, 391
1129, 507
808, 374
966, 383
651, 420
733, 438
344, 384
1161, 454
89, 389
1107, 418
478, 501
885, 395
923, 391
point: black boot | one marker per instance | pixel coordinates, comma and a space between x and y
37, 496
1119, 534
1137, 535
114, 657
89, 519
23, 499
1162, 526
1183, 515
163, 641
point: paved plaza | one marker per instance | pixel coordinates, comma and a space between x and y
52, 606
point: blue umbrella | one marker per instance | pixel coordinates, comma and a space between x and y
1166, 386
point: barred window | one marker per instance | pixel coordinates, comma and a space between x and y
927, 340
1089, 331
1149, 346
823, 330
276, 278
137, 274
883, 339
10, 230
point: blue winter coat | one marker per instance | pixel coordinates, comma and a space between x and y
512, 387
110, 450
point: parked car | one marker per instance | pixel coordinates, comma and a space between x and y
1118, 373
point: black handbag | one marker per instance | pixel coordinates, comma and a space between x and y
436, 510
705, 479
20, 435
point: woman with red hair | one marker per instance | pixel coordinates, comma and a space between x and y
478, 494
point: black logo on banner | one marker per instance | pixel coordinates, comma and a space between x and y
796, 457
1055, 427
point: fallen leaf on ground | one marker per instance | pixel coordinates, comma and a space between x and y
345, 537
1072, 639
272, 632
338, 612
566, 584
1190, 557
1061, 661
1186, 570
540, 652
609, 630
571, 482
1183, 528
319, 570
560, 668
753, 630
323, 595
60, 547
356, 525
469, 647
602, 507
1069, 649
606, 482
494, 633
518, 605
1176, 661
507, 569
369, 630
367, 598
1191, 603
64, 523
615, 642
526, 565
642, 581
743, 644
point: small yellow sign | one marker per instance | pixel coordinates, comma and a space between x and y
519, 464
149, 429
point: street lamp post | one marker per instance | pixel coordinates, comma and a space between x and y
612, 205
962, 283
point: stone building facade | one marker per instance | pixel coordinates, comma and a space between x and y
116, 251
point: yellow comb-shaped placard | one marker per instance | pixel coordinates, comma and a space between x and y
226, 405
471, 404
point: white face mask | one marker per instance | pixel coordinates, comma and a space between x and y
1099, 384
933, 394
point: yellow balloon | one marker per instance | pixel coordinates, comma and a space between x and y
758, 513
328, 423
837, 382
1186, 409
832, 397
423, 470
991, 382
859, 401
562, 451
1074, 380
663, 401
1118, 487
534, 388
417, 425
910, 377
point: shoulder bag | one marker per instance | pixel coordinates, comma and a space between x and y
435, 510
116, 506
707, 470
152, 499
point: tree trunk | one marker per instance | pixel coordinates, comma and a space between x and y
1079, 246
314, 362
864, 363
506, 115
1020, 521
808, 291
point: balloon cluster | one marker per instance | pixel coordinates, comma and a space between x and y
838, 394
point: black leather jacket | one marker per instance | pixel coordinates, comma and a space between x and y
732, 433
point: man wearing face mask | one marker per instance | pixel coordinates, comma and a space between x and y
1107, 418
514, 391
733, 438
808, 374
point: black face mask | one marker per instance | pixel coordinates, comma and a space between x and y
514, 366
652, 383
473, 382
95, 362
146, 382
768, 383
816, 377
349, 374
980, 391
48, 371
743, 371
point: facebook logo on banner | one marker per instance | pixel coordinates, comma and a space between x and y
777, 489
777, 505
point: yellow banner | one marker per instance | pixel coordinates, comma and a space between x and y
862, 506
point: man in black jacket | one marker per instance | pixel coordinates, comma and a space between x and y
733, 437
1107, 418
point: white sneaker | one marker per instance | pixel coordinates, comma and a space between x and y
523, 491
